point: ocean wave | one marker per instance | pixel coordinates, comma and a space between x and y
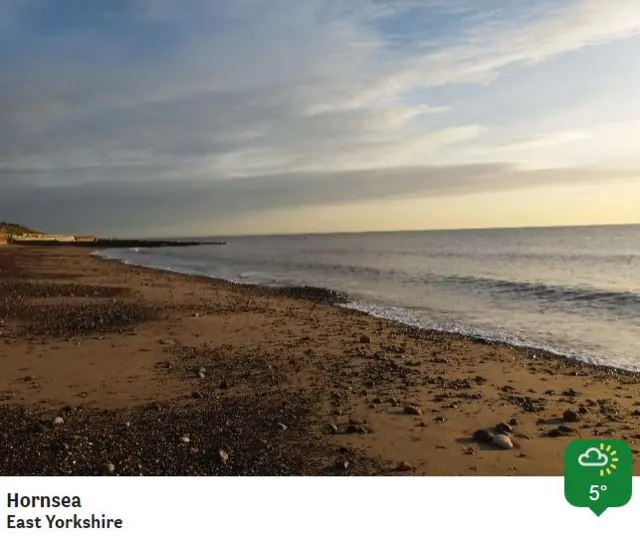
546, 336
622, 301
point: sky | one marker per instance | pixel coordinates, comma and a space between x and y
205, 117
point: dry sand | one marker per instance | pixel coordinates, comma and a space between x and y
157, 373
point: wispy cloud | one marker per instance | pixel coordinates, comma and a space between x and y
150, 91
544, 141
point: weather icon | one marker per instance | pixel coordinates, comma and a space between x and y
602, 457
598, 474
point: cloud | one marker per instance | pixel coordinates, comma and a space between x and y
608, 144
593, 457
539, 142
284, 81
548, 29
301, 103
109, 205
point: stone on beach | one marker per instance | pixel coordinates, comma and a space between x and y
503, 427
223, 456
412, 410
570, 416
404, 466
483, 436
357, 427
502, 441
560, 431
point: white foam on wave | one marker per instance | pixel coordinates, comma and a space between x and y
151, 261
423, 320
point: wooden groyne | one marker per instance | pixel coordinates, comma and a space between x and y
104, 243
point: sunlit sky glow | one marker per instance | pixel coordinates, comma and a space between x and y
167, 117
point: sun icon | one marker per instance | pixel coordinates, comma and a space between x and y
612, 460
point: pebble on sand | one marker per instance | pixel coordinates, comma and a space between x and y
185, 439
404, 466
58, 420
365, 339
109, 467
570, 416
504, 428
560, 431
483, 436
412, 410
223, 456
502, 441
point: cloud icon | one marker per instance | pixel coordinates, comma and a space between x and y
593, 457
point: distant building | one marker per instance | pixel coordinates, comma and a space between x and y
24, 238
40, 237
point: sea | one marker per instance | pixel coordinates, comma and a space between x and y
571, 291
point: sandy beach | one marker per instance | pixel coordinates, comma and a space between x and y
119, 370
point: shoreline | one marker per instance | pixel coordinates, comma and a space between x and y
341, 300
118, 369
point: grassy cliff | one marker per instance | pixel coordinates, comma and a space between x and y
15, 228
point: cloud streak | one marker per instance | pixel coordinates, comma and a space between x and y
132, 205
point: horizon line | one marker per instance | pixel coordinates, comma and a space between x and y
387, 231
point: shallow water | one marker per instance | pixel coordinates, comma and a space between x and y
573, 291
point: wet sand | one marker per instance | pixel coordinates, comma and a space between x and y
113, 369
